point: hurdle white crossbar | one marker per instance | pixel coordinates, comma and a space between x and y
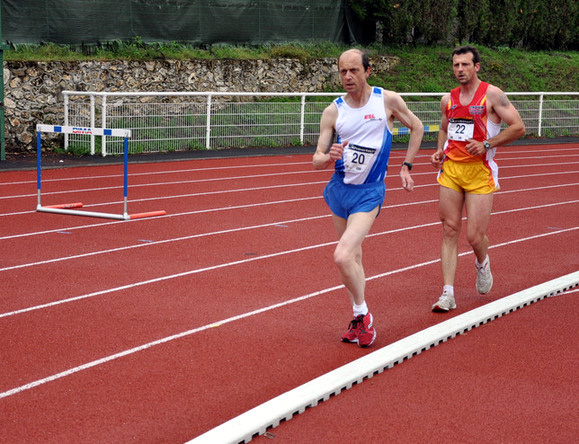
70, 208
40, 128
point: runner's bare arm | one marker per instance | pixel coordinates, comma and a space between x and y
400, 111
502, 107
499, 108
327, 151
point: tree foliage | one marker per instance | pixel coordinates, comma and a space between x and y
527, 24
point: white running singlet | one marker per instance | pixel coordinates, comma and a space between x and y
365, 158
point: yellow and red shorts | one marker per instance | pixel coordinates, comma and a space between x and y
470, 177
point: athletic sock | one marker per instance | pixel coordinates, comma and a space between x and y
449, 289
361, 309
484, 262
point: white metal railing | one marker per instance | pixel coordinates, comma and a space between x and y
179, 121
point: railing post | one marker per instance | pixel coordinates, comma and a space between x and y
540, 114
104, 124
65, 96
302, 119
208, 131
92, 117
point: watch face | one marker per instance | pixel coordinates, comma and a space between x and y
487, 145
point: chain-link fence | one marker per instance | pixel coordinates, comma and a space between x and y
165, 121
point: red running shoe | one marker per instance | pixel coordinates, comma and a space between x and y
361, 331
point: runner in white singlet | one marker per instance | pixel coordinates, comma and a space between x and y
362, 123
369, 140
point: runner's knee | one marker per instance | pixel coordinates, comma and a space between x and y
344, 257
450, 229
475, 239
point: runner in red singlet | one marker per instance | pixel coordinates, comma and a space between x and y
470, 132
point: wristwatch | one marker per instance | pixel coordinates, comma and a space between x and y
408, 165
487, 145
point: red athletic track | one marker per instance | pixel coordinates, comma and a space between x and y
157, 330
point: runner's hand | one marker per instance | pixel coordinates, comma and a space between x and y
337, 150
475, 147
407, 182
436, 159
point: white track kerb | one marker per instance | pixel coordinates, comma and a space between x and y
260, 419
71, 208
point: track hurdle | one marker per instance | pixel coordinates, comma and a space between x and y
71, 208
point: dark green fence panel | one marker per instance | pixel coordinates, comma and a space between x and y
89, 22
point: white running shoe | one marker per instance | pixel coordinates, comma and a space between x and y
445, 303
484, 277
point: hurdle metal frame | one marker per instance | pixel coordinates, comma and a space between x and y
71, 208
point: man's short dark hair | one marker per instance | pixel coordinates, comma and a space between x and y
466, 49
365, 58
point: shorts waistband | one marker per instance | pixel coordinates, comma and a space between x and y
340, 179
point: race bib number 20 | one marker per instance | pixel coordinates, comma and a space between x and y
460, 129
358, 158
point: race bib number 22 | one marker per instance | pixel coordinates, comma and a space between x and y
460, 129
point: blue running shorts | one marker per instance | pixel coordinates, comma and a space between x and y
344, 199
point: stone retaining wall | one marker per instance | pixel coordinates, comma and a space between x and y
33, 89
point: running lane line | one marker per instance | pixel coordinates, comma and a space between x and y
140, 348
253, 227
210, 210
